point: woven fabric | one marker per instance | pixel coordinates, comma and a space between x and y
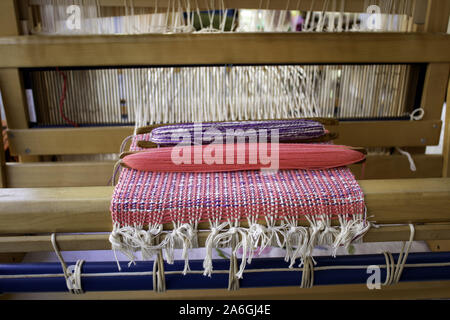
145, 198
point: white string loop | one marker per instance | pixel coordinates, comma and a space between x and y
394, 271
72, 273
307, 273
182, 236
412, 165
417, 114
158, 275
124, 143
73, 281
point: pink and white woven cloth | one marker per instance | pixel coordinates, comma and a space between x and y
293, 209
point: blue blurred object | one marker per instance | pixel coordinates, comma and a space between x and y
128, 281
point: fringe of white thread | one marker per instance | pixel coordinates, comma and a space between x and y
299, 241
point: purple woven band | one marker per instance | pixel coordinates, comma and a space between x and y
205, 133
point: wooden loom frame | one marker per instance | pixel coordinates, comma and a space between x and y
73, 201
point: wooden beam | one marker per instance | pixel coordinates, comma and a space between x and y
387, 133
439, 245
11, 84
446, 145
3, 179
14, 101
67, 140
12, 257
59, 174
397, 167
56, 209
86, 209
77, 242
232, 48
9, 21
437, 16
98, 173
435, 90
8, 27
402, 233
12, 91
402, 290
108, 139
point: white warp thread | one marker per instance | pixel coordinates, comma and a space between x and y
72, 273
412, 165
394, 271
299, 241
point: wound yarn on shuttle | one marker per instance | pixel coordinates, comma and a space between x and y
237, 131
245, 156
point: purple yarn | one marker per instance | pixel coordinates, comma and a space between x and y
205, 133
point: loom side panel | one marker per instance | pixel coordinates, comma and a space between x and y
446, 146
14, 100
435, 89
9, 22
437, 17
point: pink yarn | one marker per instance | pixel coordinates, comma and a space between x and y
246, 156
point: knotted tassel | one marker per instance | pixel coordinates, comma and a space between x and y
350, 230
297, 240
210, 243
226, 239
276, 234
181, 236
122, 239
328, 234
258, 238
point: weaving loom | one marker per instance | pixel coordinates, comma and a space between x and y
74, 90
184, 199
